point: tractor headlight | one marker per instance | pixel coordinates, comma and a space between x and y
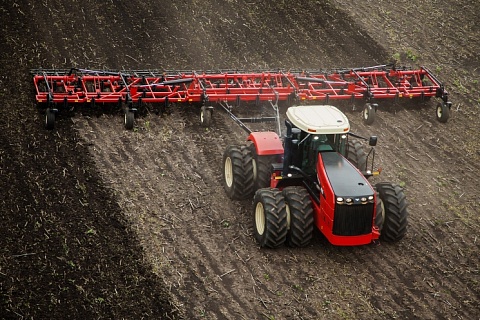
370, 198
349, 201
340, 200
363, 200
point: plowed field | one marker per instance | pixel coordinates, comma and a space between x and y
99, 222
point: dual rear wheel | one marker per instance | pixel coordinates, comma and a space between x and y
283, 217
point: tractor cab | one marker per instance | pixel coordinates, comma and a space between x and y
310, 130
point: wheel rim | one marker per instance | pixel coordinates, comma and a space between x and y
125, 119
260, 218
46, 119
254, 165
202, 117
366, 112
439, 111
228, 172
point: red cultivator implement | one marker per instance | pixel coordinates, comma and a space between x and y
58, 90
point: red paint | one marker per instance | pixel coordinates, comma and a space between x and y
80, 86
266, 143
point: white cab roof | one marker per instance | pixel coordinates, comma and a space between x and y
318, 119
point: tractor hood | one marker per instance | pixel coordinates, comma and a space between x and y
346, 181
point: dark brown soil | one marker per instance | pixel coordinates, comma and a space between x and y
98, 222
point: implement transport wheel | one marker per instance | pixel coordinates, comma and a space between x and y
237, 172
270, 214
261, 169
129, 119
299, 216
49, 119
205, 116
356, 154
443, 112
395, 211
368, 114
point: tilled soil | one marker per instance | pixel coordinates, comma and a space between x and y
105, 223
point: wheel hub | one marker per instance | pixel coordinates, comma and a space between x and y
439, 111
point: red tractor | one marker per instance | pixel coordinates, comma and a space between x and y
316, 176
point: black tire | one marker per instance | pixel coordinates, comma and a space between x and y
129, 119
270, 218
49, 119
248, 172
262, 169
379, 213
357, 155
299, 216
237, 173
205, 116
368, 114
443, 112
394, 210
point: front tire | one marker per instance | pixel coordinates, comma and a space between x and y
356, 155
394, 211
299, 216
270, 218
379, 213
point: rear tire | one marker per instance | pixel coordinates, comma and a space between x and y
356, 155
237, 173
394, 210
270, 218
49, 119
299, 216
262, 171
443, 112
368, 114
248, 172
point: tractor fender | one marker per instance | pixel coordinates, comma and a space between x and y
266, 143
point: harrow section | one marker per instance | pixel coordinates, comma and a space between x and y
58, 90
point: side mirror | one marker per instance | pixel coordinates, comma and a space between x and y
372, 141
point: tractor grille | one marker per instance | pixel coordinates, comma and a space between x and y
353, 220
